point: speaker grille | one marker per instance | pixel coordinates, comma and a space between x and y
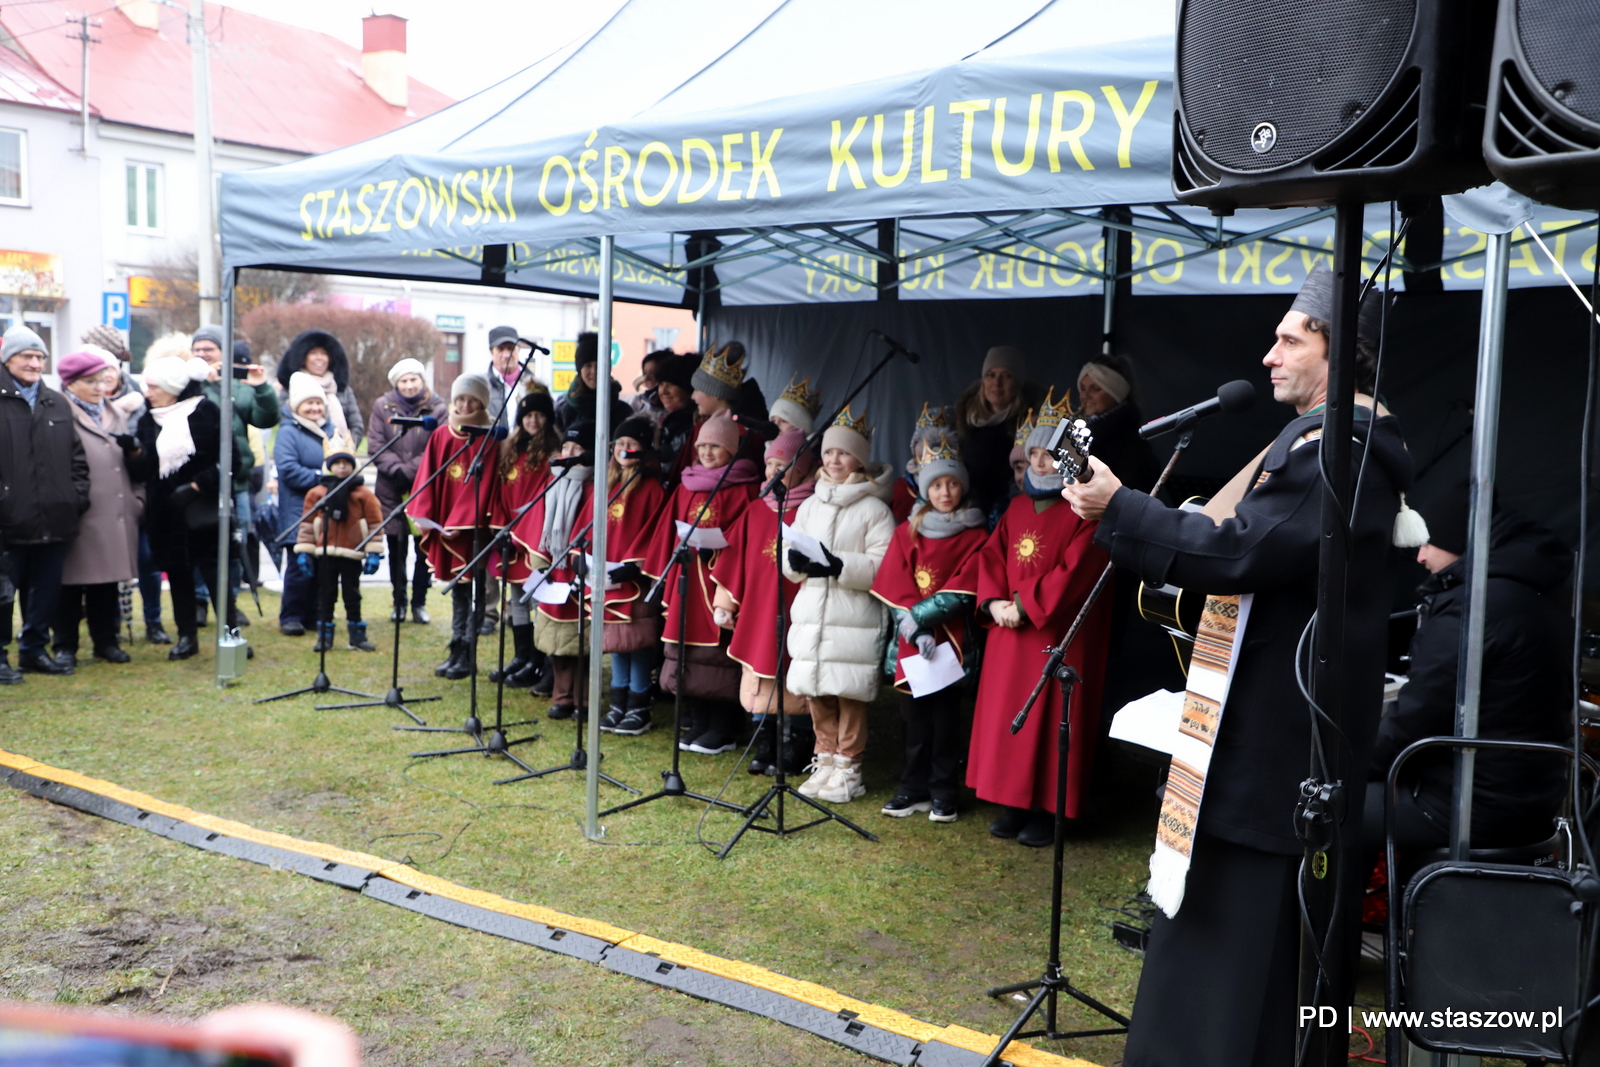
1561, 40
1525, 128
1283, 62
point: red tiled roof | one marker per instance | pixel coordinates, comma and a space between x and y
272, 84
23, 83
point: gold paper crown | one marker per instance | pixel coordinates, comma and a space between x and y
858, 423
1024, 428
726, 364
800, 393
945, 449
1052, 414
337, 444
935, 418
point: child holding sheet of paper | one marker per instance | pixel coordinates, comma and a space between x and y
836, 634
711, 722
556, 592
929, 580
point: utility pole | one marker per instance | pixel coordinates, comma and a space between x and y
83, 24
204, 183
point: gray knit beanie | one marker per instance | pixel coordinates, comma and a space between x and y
20, 339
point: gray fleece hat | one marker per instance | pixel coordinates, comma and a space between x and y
945, 462
20, 339
209, 333
1316, 300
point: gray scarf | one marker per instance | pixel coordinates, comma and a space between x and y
561, 512
938, 526
1040, 487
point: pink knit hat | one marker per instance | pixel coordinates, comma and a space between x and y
91, 359
788, 445
719, 429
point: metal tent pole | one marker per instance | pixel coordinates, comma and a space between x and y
597, 542
1485, 440
221, 590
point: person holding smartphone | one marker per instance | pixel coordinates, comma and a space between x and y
255, 403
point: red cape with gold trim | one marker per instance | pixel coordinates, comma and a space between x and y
723, 512
522, 483
448, 501
748, 570
1046, 561
631, 521
916, 567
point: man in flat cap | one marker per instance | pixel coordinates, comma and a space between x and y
1219, 985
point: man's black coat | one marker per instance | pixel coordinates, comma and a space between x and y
44, 474
1269, 548
1526, 696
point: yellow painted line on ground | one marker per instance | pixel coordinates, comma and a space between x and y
750, 974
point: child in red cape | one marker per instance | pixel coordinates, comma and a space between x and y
691, 633
929, 579
556, 623
1034, 574
524, 474
746, 602
452, 512
632, 626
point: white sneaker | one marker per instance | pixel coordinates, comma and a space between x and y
822, 769
845, 785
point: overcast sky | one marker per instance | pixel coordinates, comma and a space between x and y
459, 46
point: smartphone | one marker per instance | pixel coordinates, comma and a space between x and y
240, 371
45, 1037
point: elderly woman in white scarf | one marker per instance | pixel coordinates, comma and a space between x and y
180, 446
987, 414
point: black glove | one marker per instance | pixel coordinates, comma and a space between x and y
812, 569
182, 495
707, 555
628, 572
128, 443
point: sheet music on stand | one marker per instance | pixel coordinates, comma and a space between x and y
703, 536
805, 544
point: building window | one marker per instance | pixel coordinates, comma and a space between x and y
144, 197
13, 167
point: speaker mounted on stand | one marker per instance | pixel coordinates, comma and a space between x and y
1543, 133
1283, 103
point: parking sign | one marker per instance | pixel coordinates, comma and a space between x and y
114, 310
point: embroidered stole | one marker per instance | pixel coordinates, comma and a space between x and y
1216, 646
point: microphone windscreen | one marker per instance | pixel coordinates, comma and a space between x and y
429, 423
1237, 396
500, 433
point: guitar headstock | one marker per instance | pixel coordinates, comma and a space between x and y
1069, 447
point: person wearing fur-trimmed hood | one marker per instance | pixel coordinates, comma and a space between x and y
319, 354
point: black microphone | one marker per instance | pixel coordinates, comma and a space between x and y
911, 357
584, 460
535, 345
1231, 398
427, 422
497, 432
632, 453
765, 427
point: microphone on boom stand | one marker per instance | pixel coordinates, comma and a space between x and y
764, 428
427, 422
896, 346
1232, 398
497, 432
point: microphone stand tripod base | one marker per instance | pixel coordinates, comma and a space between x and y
579, 761
395, 698
777, 792
672, 786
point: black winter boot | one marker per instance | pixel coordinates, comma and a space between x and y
764, 754
617, 711
324, 637
358, 638
456, 664
522, 644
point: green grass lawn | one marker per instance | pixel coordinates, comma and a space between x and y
922, 921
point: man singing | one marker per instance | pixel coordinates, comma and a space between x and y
1220, 976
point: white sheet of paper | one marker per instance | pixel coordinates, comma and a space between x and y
588, 560
931, 674
1151, 721
703, 536
424, 524
807, 546
553, 592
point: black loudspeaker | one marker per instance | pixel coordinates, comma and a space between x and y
1543, 133
1289, 102
1491, 963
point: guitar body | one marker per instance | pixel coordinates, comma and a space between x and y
1175, 610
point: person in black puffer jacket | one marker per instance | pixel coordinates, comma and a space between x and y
44, 488
179, 451
319, 354
1526, 695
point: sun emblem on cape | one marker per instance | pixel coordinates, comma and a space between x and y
926, 577
771, 551
457, 471
616, 509
709, 518
513, 474
1029, 545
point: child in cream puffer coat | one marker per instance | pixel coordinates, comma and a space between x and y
836, 633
